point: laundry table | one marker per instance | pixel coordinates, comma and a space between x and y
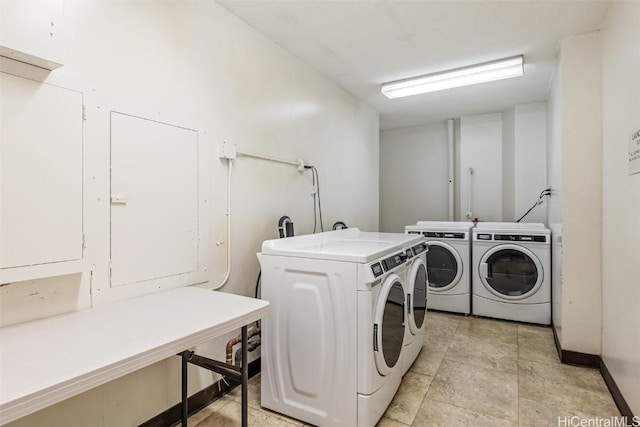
45, 361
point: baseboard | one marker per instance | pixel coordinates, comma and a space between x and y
621, 403
595, 361
201, 399
580, 359
575, 358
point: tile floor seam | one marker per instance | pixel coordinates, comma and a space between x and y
423, 397
483, 367
465, 409
453, 404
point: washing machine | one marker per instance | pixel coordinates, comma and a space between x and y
448, 264
512, 271
416, 285
333, 342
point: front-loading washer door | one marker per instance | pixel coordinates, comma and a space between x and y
389, 324
417, 299
511, 272
444, 266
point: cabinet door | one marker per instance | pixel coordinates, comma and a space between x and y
154, 200
41, 173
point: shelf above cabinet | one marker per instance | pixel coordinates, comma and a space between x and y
32, 272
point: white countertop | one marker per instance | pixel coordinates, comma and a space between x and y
45, 361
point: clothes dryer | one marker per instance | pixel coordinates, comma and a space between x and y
332, 344
448, 264
416, 285
512, 274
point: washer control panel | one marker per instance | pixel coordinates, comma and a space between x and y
444, 235
519, 238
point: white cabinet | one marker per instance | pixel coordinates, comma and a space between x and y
32, 32
154, 200
41, 177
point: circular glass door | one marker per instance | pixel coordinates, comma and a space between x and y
444, 266
511, 272
389, 325
418, 298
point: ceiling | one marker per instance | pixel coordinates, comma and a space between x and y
360, 44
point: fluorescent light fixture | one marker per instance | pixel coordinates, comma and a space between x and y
471, 75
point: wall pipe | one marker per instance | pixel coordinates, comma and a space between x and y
470, 212
228, 214
268, 158
451, 167
299, 164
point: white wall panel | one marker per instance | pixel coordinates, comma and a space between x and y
481, 150
581, 193
413, 176
530, 158
508, 165
41, 173
621, 200
154, 200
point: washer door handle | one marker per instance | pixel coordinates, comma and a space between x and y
484, 270
375, 337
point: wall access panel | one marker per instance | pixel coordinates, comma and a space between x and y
41, 175
154, 200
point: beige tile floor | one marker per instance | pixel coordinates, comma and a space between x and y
471, 372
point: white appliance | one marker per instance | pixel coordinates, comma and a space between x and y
512, 271
448, 264
416, 303
333, 340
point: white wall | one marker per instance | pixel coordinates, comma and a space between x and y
194, 64
554, 202
621, 200
524, 160
481, 150
529, 174
576, 135
581, 193
508, 164
413, 176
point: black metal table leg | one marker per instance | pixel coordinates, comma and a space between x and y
233, 372
185, 399
245, 379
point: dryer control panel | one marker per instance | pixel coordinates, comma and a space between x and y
394, 261
420, 248
376, 269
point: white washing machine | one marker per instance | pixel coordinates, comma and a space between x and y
512, 271
333, 341
448, 264
416, 303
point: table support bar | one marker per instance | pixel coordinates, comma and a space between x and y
240, 375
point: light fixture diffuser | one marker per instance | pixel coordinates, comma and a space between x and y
473, 74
